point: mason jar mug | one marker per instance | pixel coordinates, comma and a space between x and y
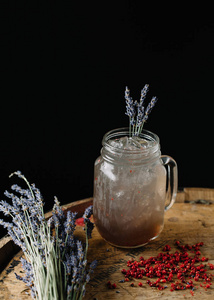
133, 186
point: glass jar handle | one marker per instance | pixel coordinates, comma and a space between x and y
172, 180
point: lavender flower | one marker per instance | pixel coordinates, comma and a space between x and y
56, 261
136, 110
18, 173
80, 253
70, 223
58, 209
140, 114
88, 224
88, 212
144, 91
93, 265
130, 107
149, 108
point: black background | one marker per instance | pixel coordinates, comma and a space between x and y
64, 68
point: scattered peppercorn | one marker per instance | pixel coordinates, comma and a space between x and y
179, 268
126, 279
111, 286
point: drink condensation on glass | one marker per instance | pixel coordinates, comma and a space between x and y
130, 191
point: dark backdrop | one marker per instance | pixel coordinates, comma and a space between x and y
64, 68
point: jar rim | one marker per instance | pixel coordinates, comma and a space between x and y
124, 131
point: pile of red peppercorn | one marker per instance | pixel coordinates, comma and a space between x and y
178, 269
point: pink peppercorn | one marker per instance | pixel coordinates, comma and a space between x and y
204, 259
167, 248
167, 266
126, 279
111, 286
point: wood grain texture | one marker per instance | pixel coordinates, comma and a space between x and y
188, 222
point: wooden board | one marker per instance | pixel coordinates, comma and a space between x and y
188, 222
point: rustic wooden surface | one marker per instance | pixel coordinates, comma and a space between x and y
190, 223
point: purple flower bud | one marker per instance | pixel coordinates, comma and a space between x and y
136, 111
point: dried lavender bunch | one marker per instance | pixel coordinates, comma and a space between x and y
136, 111
55, 260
